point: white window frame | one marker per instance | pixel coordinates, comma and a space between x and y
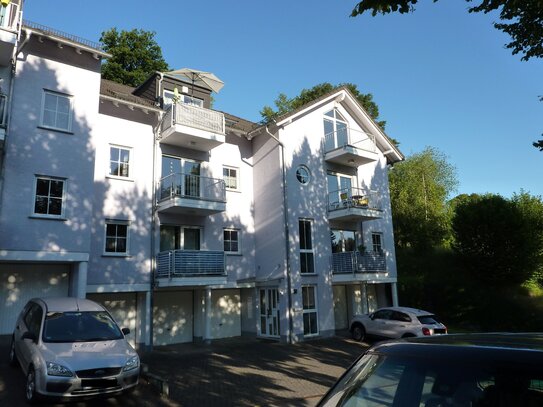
35, 196
238, 231
231, 168
183, 98
70, 113
379, 245
306, 251
314, 310
117, 222
130, 166
336, 118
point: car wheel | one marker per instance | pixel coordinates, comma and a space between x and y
30, 388
358, 332
12, 356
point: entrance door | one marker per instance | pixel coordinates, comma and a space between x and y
269, 312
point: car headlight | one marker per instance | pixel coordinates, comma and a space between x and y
54, 369
131, 363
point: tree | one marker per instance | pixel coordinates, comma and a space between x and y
499, 239
521, 19
419, 189
135, 55
284, 105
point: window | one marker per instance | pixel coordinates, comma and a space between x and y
186, 99
56, 111
336, 134
306, 247
303, 175
230, 176
180, 177
311, 326
231, 241
116, 237
343, 241
377, 242
119, 161
49, 196
174, 237
33, 319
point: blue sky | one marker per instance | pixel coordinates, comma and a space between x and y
440, 76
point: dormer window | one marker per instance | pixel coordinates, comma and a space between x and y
187, 99
336, 133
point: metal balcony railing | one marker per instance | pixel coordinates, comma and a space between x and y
192, 186
190, 263
349, 137
194, 116
354, 198
62, 34
357, 262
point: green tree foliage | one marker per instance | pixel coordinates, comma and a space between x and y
419, 190
135, 56
521, 19
284, 105
499, 239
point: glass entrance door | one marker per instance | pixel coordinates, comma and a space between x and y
269, 312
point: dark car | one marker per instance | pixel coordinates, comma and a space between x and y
476, 370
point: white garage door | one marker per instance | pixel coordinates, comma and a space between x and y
20, 283
172, 317
122, 306
226, 314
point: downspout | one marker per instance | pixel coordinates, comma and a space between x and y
287, 235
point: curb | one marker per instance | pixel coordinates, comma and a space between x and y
158, 383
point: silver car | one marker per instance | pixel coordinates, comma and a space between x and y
72, 347
396, 322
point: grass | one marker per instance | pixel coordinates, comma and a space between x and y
437, 282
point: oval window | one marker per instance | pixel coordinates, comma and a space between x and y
303, 175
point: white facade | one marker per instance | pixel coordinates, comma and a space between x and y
187, 233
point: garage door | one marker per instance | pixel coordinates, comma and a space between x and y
172, 317
122, 306
226, 315
20, 283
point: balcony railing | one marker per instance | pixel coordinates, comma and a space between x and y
349, 137
192, 187
9, 16
356, 262
190, 263
354, 198
194, 116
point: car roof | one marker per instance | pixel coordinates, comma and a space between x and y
414, 311
64, 304
476, 347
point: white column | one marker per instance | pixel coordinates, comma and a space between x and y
207, 333
79, 280
394, 287
144, 319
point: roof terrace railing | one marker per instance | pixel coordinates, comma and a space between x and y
61, 34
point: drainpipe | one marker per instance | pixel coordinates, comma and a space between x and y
287, 235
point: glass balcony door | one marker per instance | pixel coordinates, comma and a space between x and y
181, 177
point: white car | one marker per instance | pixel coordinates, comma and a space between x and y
396, 322
72, 347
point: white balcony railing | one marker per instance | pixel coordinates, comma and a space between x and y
191, 186
357, 262
190, 263
9, 16
354, 198
349, 137
194, 116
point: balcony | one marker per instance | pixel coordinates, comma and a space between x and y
10, 18
354, 205
356, 262
193, 127
190, 268
188, 194
350, 147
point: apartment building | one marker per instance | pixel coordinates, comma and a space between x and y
186, 222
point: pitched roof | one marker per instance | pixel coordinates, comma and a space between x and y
123, 92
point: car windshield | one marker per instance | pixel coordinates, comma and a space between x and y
80, 327
377, 380
428, 319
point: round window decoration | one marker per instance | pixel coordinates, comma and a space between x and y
303, 175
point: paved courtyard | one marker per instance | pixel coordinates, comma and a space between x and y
252, 372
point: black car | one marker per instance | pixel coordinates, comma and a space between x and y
476, 370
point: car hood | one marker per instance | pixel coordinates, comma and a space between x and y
88, 355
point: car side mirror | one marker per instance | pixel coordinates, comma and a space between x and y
29, 335
125, 331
